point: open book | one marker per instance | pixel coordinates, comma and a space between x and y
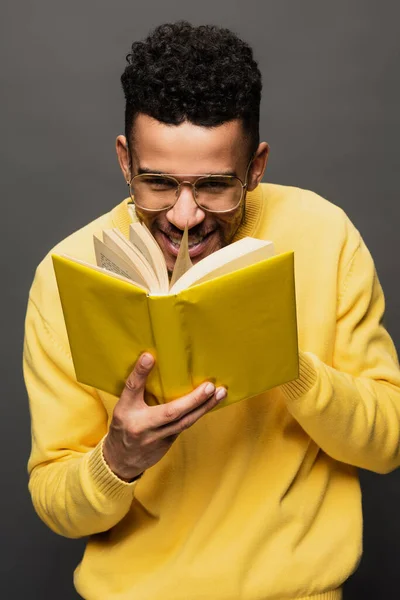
230, 318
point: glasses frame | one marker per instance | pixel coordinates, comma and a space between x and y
192, 185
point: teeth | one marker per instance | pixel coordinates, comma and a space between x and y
196, 241
177, 240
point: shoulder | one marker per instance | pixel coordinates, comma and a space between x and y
301, 202
308, 218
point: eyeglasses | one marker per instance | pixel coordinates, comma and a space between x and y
156, 192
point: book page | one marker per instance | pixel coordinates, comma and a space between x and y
104, 271
183, 262
115, 240
141, 237
235, 256
110, 260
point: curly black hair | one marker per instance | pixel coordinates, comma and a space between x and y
205, 75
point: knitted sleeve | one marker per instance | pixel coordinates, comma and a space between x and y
73, 490
352, 409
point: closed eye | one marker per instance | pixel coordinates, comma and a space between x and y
159, 183
211, 185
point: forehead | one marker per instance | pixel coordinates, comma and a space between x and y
188, 148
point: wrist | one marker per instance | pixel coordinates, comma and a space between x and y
131, 479
117, 470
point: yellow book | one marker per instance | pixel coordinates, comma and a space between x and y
231, 320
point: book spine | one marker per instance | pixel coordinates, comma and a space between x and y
172, 346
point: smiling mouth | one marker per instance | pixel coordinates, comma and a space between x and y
197, 243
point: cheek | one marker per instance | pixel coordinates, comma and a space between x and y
230, 224
150, 220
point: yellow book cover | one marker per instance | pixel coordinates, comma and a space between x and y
238, 330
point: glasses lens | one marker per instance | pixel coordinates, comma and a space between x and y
153, 192
218, 193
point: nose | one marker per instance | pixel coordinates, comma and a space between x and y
185, 211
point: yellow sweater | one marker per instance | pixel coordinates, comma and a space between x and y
257, 501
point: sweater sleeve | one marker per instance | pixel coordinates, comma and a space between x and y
73, 490
352, 409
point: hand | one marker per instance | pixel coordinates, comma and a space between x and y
139, 434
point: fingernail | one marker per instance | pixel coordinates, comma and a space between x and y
146, 360
209, 389
220, 394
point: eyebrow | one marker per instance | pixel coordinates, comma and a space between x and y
148, 171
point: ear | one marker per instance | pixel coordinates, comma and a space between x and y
258, 166
123, 155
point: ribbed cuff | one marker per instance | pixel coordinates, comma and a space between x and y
105, 480
332, 595
306, 380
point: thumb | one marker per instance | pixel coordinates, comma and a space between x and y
133, 391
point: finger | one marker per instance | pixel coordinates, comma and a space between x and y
189, 419
135, 384
174, 410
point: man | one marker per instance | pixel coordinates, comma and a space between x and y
259, 500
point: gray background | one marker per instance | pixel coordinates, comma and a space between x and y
330, 112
